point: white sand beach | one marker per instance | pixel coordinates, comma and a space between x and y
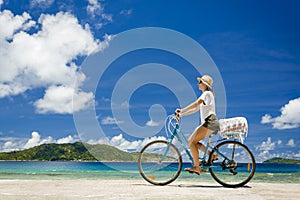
139, 189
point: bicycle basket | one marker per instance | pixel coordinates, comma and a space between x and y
236, 128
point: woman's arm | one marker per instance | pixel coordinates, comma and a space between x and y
190, 109
188, 112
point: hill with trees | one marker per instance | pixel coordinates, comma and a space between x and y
70, 152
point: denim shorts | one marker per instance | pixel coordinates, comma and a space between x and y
212, 123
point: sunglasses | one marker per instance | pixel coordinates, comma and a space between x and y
200, 82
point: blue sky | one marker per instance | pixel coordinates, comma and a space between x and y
254, 44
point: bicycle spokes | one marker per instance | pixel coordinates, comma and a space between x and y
236, 165
160, 162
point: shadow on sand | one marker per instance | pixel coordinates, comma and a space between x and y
190, 186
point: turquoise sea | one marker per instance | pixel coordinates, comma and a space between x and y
122, 170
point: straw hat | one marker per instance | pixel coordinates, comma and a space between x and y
206, 79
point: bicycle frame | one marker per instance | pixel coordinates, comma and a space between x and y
164, 163
177, 132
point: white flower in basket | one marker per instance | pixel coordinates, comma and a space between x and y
236, 127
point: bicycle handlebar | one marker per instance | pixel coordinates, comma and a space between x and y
177, 117
169, 122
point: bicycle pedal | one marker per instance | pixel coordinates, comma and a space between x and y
233, 172
206, 164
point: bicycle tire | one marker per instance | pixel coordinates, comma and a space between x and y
239, 170
154, 171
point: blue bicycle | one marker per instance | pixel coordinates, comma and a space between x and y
160, 162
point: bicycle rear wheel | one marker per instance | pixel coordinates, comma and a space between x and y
235, 166
155, 170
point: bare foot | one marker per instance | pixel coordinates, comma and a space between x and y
195, 169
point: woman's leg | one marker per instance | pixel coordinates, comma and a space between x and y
199, 134
202, 148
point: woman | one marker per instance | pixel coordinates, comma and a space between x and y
210, 124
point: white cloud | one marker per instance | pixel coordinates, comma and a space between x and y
10, 24
59, 99
266, 146
126, 12
123, 105
41, 3
262, 156
95, 8
121, 143
45, 59
13, 144
279, 142
10, 146
68, 139
289, 118
291, 143
152, 123
267, 150
266, 119
33, 141
1, 2
264, 150
36, 140
105, 99
297, 155
110, 120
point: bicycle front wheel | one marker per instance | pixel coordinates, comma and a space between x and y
235, 165
160, 162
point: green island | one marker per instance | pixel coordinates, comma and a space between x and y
73, 152
282, 160
68, 152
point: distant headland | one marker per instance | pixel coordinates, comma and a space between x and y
282, 160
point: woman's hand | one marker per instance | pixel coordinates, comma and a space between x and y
178, 114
